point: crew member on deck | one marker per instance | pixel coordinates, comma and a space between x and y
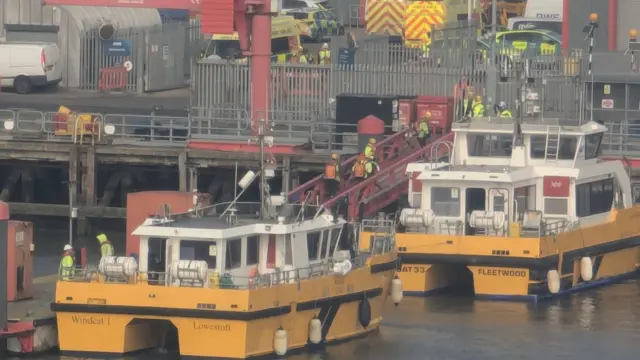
106, 248
332, 175
66, 263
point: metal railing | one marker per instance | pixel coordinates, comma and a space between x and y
215, 280
622, 139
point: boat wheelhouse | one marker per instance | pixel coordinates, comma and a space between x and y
523, 210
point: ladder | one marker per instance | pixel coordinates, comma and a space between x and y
552, 144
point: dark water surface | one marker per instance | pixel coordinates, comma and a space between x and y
599, 324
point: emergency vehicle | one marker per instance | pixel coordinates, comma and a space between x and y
317, 23
285, 39
412, 22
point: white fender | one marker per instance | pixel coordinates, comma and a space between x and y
315, 331
586, 268
553, 281
280, 342
396, 290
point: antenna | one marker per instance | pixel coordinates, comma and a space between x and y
520, 99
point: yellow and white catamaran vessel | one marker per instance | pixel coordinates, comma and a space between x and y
519, 211
234, 280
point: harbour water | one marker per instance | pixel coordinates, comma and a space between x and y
598, 324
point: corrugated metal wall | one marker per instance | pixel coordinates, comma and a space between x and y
27, 12
628, 18
578, 18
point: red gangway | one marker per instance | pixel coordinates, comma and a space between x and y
387, 185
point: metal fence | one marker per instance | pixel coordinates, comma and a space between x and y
154, 130
160, 58
380, 68
348, 11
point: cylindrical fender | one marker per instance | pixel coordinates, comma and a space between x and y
586, 268
553, 281
364, 313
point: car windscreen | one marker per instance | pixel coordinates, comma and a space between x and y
299, 15
555, 26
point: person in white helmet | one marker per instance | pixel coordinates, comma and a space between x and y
324, 56
66, 263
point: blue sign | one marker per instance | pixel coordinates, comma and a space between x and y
346, 56
117, 48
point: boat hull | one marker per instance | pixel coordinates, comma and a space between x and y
111, 331
500, 278
518, 268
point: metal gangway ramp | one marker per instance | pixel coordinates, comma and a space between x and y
387, 185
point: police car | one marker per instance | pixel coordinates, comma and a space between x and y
537, 46
320, 23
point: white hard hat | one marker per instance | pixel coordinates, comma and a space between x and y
325, 45
67, 247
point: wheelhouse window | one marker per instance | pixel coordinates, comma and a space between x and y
445, 201
233, 256
489, 145
199, 251
288, 250
313, 245
592, 146
335, 237
594, 197
556, 206
325, 243
525, 199
566, 149
253, 249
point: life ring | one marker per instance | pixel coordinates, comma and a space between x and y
364, 313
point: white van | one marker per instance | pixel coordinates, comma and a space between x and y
26, 65
523, 23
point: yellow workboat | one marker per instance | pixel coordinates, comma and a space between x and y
524, 214
234, 280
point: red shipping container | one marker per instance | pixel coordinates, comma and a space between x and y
20, 262
405, 113
441, 109
142, 205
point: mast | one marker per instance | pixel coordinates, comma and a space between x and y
517, 124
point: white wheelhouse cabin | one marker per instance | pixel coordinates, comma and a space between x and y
551, 181
239, 245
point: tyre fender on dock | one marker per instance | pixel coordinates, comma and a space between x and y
586, 268
315, 331
364, 312
553, 281
280, 342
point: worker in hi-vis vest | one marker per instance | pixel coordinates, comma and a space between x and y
324, 56
478, 107
503, 111
332, 175
106, 248
422, 127
358, 170
66, 263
